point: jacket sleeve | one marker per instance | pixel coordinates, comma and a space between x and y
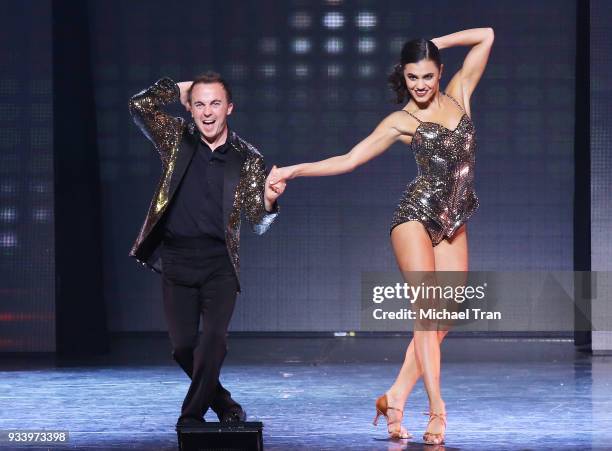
253, 186
163, 130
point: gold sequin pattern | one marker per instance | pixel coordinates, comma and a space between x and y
249, 197
442, 196
166, 132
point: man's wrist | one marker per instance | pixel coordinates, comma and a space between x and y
271, 206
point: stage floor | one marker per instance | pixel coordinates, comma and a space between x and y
500, 395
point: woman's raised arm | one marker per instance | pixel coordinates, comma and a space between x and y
481, 40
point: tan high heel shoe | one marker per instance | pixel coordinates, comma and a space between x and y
382, 406
434, 438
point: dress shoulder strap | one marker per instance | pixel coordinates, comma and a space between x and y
453, 99
408, 112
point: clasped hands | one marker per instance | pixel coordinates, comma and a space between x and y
276, 184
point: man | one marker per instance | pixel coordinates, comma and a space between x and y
191, 232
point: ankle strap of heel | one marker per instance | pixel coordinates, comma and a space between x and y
432, 415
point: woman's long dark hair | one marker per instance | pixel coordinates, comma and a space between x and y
412, 52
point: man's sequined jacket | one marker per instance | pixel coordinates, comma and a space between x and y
243, 183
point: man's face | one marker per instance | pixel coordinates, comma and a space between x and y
210, 109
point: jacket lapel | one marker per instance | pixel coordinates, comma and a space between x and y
187, 148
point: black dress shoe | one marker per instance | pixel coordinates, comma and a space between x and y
189, 422
233, 415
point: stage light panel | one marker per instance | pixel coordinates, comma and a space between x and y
41, 215
301, 70
237, 71
334, 70
8, 215
301, 45
334, 46
333, 20
8, 240
268, 70
366, 45
301, 20
268, 45
366, 70
366, 20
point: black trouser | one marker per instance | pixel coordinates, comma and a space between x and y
198, 279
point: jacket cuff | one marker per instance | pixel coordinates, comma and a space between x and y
265, 222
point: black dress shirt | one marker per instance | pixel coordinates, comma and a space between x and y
197, 207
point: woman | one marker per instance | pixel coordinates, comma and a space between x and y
428, 230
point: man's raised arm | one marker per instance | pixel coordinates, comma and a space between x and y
162, 129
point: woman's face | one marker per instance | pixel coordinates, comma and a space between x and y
422, 79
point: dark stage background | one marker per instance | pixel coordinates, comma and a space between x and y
309, 81
27, 244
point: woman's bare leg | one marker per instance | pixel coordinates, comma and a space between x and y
413, 251
448, 256
409, 374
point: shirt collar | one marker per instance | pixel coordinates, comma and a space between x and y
222, 148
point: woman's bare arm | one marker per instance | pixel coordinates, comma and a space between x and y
385, 134
481, 40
